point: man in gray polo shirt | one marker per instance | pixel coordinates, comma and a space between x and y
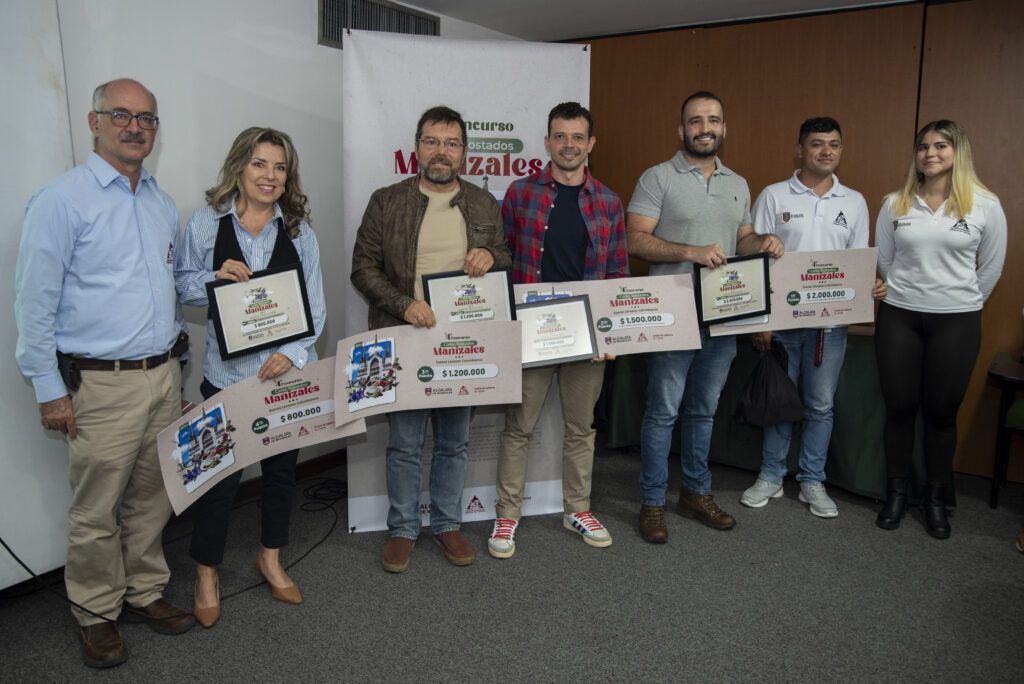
690, 209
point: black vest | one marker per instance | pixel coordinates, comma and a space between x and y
227, 247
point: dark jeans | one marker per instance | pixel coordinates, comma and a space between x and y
924, 362
213, 510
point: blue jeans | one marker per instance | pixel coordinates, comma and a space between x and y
695, 377
818, 387
408, 429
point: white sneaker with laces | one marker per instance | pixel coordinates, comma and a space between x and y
814, 494
587, 526
758, 495
502, 542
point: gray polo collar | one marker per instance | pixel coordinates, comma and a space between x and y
681, 165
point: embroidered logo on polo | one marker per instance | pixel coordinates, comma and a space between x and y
840, 221
961, 227
787, 216
899, 224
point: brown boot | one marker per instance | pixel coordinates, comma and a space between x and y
161, 616
704, 509
102, 645
397, 554
456, 547
652, 524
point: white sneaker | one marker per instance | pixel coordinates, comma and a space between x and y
813, 494
502, 542
758, 495
587, 526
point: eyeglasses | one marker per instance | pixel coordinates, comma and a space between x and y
451, 145
122, 119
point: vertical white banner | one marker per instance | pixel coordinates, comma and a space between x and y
504, 91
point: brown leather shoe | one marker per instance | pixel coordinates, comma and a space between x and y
290, 594
456, 547
704, 509
652, 524
397, 554
102, 645
206, 616
161, 616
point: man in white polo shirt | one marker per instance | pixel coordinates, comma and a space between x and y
810, 212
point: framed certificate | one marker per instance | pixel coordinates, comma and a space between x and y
268, 310
557, 331
737, 289
457, 298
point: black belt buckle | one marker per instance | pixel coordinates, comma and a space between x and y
70, 373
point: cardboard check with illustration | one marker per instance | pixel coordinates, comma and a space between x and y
452, 364
631, 315
815, 290
246, 423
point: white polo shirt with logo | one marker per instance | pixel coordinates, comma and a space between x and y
808, 223
936, 263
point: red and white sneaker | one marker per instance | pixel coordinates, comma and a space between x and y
588, 527
502, 542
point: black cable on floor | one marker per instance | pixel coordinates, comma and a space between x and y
321, 495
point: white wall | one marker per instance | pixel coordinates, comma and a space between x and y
34, 492
216, 68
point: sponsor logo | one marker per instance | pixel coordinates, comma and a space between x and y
786, 216
899, 224
961, 227
642, 338
426, 390
803, 314
303, 431
840, 221
475, 505
170, 252
825, 313
270, 439
425, 374
260, 425
620, 338
793, 298
463, 391
437, 391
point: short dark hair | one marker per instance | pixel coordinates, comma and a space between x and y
444, 115
701, 95
819, 124
569, 111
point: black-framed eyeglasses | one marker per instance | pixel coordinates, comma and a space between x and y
122, 119
452, 145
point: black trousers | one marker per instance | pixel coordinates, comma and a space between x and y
924, 362
213, 510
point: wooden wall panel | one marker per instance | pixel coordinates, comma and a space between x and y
974, 60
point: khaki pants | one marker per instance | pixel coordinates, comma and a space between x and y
119, 506
579, 386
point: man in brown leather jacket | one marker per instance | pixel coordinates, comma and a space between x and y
430, 223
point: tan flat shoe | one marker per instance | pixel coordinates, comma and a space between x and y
206, 616
290, 594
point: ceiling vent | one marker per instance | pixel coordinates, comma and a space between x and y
372, 15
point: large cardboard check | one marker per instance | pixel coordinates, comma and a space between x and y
451, 364
245, 423
632, 315
816, 290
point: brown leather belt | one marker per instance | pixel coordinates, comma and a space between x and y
131, 364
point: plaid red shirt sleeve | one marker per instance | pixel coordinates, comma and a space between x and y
525, 212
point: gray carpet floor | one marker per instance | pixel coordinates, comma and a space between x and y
784, 596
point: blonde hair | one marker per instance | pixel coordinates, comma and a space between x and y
293, 203
964, 181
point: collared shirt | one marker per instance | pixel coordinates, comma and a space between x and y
195, 268
808, 223
95, 273
936, 263
525, 211
691, 210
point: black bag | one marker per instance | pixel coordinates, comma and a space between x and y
770, 397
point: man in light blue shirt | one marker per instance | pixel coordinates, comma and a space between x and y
99, 331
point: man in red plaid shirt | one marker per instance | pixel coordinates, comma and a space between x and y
562, 225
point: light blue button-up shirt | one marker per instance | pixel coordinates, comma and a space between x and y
95, 274
194, 268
